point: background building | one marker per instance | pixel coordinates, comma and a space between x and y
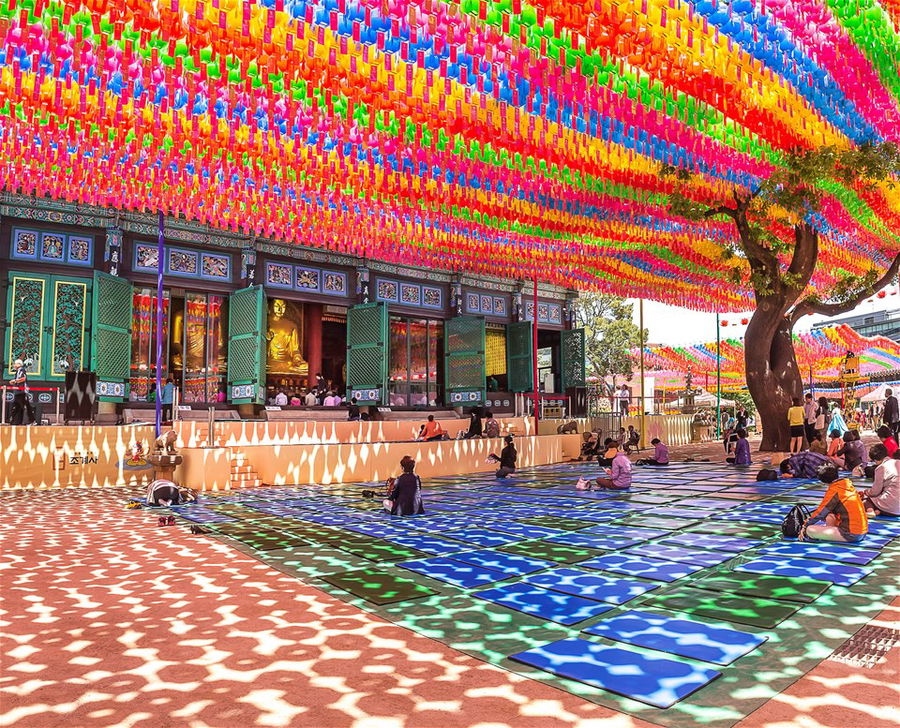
244, 317
876, 323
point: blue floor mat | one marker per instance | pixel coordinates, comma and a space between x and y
683, 637
699, 557
638, 566
655, 681
712, 541
591, 585
840, 574
822, 551
528, 531
562, 608
454, 572
619, 530
482, 537
505, 563
429, 544
595, 540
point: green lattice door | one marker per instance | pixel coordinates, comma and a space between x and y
464, 361
246, 342
367, 353
571, 349
48, 324
111, 336
520, 356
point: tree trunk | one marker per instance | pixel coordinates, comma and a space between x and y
773, 377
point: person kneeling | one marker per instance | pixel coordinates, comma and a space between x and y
619, 477
405, 498
660, 454
507, 459
841, 516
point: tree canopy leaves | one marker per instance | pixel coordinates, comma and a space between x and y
609, 332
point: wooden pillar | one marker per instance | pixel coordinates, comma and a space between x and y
313, 334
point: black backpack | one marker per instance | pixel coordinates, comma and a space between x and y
766, 474
793, 522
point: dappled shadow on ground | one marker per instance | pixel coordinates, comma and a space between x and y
109, 620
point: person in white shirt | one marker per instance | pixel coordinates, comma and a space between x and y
884, 495
624, 397
281, 398
310, 400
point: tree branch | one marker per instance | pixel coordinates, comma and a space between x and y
806, 254
833, 309
713, 211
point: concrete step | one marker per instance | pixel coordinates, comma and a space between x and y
255, 483
241, 468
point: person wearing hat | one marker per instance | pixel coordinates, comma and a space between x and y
406, 495
21, 403
507, 459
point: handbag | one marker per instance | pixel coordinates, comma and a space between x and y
388, 504
794, 521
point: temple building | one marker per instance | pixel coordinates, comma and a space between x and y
244, 317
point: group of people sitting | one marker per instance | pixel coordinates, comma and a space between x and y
628, 440
482, 423
404, 493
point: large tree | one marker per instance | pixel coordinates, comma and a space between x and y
609, 334
779, 267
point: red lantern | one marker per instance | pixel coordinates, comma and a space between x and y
724, 322
882, 294
745, 321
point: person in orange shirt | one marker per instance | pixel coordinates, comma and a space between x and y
841, 516
431, 430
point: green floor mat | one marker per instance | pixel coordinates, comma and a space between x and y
377, 586
378, 550
782, 588
565, 524
313, 561
739, 609
271, 541
552, 551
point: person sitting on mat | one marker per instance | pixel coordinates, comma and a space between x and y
475, 425
431, 430
741, 449
835, 443
884, 495
816, 444
406, 496
853, 453
841, 516
660, 454
803, 465
619, 476
507, 458
887, 439
610, 448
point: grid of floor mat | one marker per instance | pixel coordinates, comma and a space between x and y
680, 581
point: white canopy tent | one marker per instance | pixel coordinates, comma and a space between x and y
876, 395
704, 399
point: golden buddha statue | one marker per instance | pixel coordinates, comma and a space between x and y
283, 339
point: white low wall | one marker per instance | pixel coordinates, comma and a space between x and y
674, 430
